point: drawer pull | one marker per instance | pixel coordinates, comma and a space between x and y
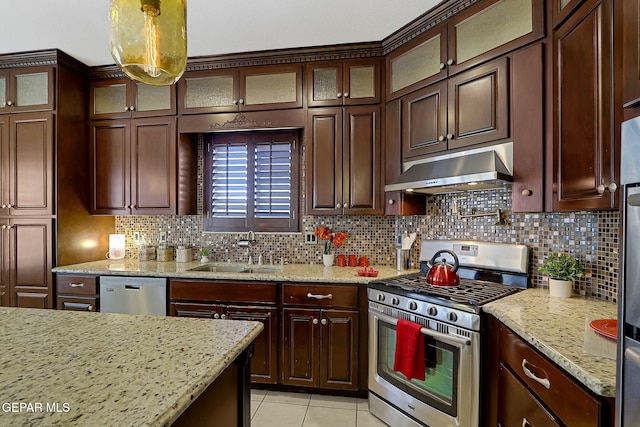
544, 381
314, 296
76, 285
526, 423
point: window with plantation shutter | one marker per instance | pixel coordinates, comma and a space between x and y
251, 181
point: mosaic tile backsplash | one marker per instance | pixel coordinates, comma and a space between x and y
591, 236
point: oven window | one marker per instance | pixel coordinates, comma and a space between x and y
440, 387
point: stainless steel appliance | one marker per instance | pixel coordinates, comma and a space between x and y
133, 295
452, 322
628, 360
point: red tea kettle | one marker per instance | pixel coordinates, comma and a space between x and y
443, 274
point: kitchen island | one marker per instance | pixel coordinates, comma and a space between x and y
86, 369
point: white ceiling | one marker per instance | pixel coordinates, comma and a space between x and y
80, 27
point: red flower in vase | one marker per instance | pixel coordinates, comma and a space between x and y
337, 239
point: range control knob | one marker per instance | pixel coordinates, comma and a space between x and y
380, 297
453, 317
433, 311
413, 305
395, 301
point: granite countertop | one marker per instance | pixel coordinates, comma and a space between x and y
559, 328
286, 273
110, 369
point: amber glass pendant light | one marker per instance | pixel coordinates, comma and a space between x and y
149, 39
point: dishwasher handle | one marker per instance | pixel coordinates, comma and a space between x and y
134, 287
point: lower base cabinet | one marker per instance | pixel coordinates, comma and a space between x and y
528, 389
78, 293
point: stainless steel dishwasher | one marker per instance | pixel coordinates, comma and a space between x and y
133, 295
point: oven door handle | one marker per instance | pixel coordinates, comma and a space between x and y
428, 332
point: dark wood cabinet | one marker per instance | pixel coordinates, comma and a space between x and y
344, 161
133, 164
77, 292
629, 18
27, 89
125, 98
240, 89
27, 259
561, 9
234, 300
335, 83
583, 145
469, 108
523, 386
320, 345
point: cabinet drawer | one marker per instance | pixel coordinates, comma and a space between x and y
77, 285
78, 303
518, 407
320, 295
250, 292
565, 397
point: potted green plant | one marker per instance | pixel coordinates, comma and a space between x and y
562, 270
204, 255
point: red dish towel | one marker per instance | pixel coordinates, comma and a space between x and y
409, 358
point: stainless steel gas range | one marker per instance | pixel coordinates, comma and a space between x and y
451, 321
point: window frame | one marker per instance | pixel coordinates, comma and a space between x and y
250, 222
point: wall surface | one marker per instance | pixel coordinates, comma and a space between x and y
592, 236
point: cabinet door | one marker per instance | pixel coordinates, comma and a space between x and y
339, 349
478, 102
561, 9
5, 284
264, 363
362, 161
518, 407
153, 166
424, 121
361, 82
270, 88
111, 99
418, 63
324, 83
31, 164
4, 164
200, 310
27, 89
149, 101
630, 17
110, 167
30, 262
582, 143
300, 344
208, 92
324, 162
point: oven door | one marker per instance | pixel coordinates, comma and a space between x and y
449, 395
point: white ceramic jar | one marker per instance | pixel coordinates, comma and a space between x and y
183, 254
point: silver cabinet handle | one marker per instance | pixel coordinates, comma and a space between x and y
132, 108
240, 101
224, 316
525, 422
90, 308
76, 285
338, 206
9, 103
126, 108
235, 102
441, 138
315, 321
442, 65
346, 94
450, 62
544, 381
323, 321
216, 316
527, 193
391, 201
314, 296
449, 136
611, 187
338, 95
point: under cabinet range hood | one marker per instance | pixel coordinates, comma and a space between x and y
471, 170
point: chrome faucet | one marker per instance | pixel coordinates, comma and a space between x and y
249, 241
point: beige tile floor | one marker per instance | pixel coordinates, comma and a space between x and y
281, 409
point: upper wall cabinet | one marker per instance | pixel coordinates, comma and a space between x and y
126, 98
631, 53
335, 83
27, 89
471, 37
561, 9
583, 146
245, 89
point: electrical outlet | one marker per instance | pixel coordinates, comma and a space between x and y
163, 237
136, 237
310, 239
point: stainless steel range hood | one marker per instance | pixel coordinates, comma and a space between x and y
471, 170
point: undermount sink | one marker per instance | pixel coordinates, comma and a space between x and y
235, 269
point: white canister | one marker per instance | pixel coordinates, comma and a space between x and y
183, 254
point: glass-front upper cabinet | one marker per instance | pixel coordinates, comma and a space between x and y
27, 89
561, 9
238, 89
126, 98
335, 83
